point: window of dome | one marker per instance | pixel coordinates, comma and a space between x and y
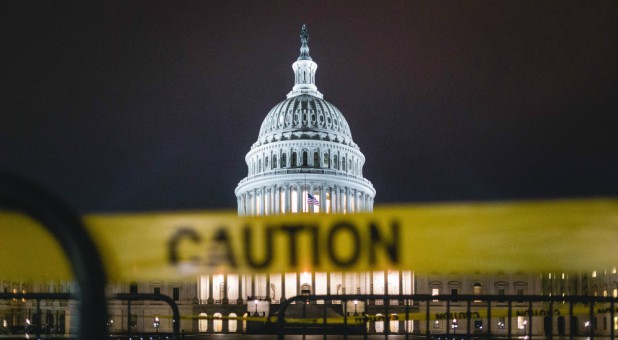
294, 158
284, 160
266, 163
305, 158
328, 120
274, 161
316, 159
343, 163
336, 162
326, 160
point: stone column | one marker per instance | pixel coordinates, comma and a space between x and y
210, 300
348, 203
267, 286
299, 196
306, 198
276, 199
240, 278
341, 193
262, 201
287, 198
225, 300
282, 287
322, 198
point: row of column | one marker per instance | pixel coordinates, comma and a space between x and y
277, 199
253, 291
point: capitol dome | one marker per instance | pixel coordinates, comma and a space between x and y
305, 117
304, 160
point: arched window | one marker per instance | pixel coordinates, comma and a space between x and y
266, 163
379, 323
274, 161
476, 288
350, 165
233, 321
284, 160
294, 158
316, 159
259, 165
336, 161
217, 323
305, 159
203, 323
326, 160
343, 163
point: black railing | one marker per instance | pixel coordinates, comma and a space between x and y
154, 297
415, 309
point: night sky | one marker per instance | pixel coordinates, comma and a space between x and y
143, 106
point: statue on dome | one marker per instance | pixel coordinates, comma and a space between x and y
304, 34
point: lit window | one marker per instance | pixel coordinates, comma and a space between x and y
521, 322
594, 273
476, 289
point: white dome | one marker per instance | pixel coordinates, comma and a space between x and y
305, 117
304, 160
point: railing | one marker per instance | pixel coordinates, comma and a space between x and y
418, 308
306, 170
156, 297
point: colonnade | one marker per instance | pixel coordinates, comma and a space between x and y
292, 198
277, 287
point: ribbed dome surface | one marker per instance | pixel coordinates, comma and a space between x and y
305, 113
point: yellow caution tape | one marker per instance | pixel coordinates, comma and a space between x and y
531, 236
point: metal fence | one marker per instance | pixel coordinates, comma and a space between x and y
460, 316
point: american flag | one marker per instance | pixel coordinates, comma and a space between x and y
312, 200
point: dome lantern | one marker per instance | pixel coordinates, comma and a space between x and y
304, 69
